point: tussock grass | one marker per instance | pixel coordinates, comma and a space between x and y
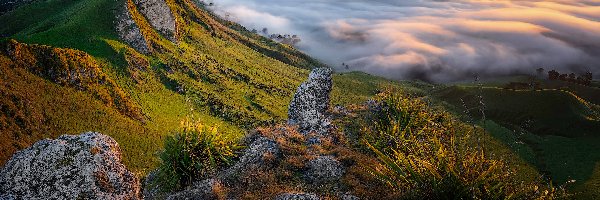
196, 152
427, 154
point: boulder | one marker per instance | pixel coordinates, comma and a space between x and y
349, 197
129, 31
253, 157
86, 166
160, 17
297, 196
324, 169
207, 189
308, 109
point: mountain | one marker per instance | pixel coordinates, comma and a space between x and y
140, 71
67, 69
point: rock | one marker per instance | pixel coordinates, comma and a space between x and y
86, 166
7, 197
129, 31
324, 169
309, 107
206, 189
253, 157
151, 191
158, 13
297, 196
10, 5
349, 197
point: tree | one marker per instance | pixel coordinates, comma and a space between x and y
553, 75
540, 72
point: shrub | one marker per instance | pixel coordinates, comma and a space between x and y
428, 155
195, 153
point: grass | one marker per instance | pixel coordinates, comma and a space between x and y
551, 112
553, 130
214, 74
427, 155
196, 152
357, 87
220, 73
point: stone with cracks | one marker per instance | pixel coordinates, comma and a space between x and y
129, 31
86, 166
297, 196
160, 17
308, 109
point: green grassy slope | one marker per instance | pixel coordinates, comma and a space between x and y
218, 73
554, 130
548, 112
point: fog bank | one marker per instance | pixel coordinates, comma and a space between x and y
434, 40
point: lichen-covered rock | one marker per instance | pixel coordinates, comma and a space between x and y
349, 197
158, 13
129, 31
86, 166
324, 169
253, 157
297, 196
309, 107
207, 189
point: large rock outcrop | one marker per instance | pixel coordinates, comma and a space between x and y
129, 31
86, 166
158, 13
308, 109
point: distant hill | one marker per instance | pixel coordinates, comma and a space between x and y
555, 128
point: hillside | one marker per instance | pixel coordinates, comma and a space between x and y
555, 129
144, 72
216, 72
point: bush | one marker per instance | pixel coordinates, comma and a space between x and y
195, 153
428, 155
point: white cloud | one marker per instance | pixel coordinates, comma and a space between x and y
435, 40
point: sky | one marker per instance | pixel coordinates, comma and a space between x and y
433, 40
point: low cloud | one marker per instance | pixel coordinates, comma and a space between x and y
434, 40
